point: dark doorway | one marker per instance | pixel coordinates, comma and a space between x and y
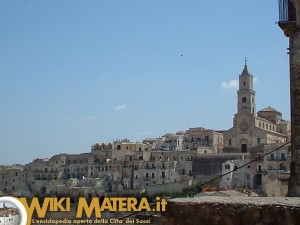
244, 148
257, 181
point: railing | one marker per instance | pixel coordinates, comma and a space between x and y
287, 12
283, 176
278, 159
279, 171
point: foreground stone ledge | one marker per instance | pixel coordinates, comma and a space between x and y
232, 211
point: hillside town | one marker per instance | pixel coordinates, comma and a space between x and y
9, 215
172, 162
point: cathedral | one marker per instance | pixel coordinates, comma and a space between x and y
251, 128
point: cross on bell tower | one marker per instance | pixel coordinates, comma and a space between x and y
246, 93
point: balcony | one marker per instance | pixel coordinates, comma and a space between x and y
284, 176
278, 159
287, 16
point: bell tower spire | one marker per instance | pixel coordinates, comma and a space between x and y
246, 93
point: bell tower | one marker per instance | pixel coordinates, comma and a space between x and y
246, 94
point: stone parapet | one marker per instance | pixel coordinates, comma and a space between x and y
232, 211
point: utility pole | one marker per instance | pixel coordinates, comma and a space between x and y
289, 22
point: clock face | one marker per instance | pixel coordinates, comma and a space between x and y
244, 126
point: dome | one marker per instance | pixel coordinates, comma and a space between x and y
269, 109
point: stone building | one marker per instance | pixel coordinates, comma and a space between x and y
240, 178
271, 173
13, 180
289, 22
250, 129
201, 138
268, 174
118, 167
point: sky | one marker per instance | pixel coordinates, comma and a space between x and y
73, 73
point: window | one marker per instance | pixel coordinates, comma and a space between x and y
163, 174
282, 157
244, 99
229, 142
227, 167
258, 140
152, 175
259, 157
244, 147
272, 157
206, 138
147, 175
259, 168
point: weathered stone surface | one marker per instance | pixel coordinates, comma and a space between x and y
232, 211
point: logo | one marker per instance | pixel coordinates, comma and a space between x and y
13, 211
20, 211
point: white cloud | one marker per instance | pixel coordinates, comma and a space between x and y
120, 107
233, 84
90, 117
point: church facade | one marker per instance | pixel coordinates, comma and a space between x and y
251, 128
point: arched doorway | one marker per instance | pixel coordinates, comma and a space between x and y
282, 166
244, 143
257, 181
43, 190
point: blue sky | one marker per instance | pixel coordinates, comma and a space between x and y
73, 73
